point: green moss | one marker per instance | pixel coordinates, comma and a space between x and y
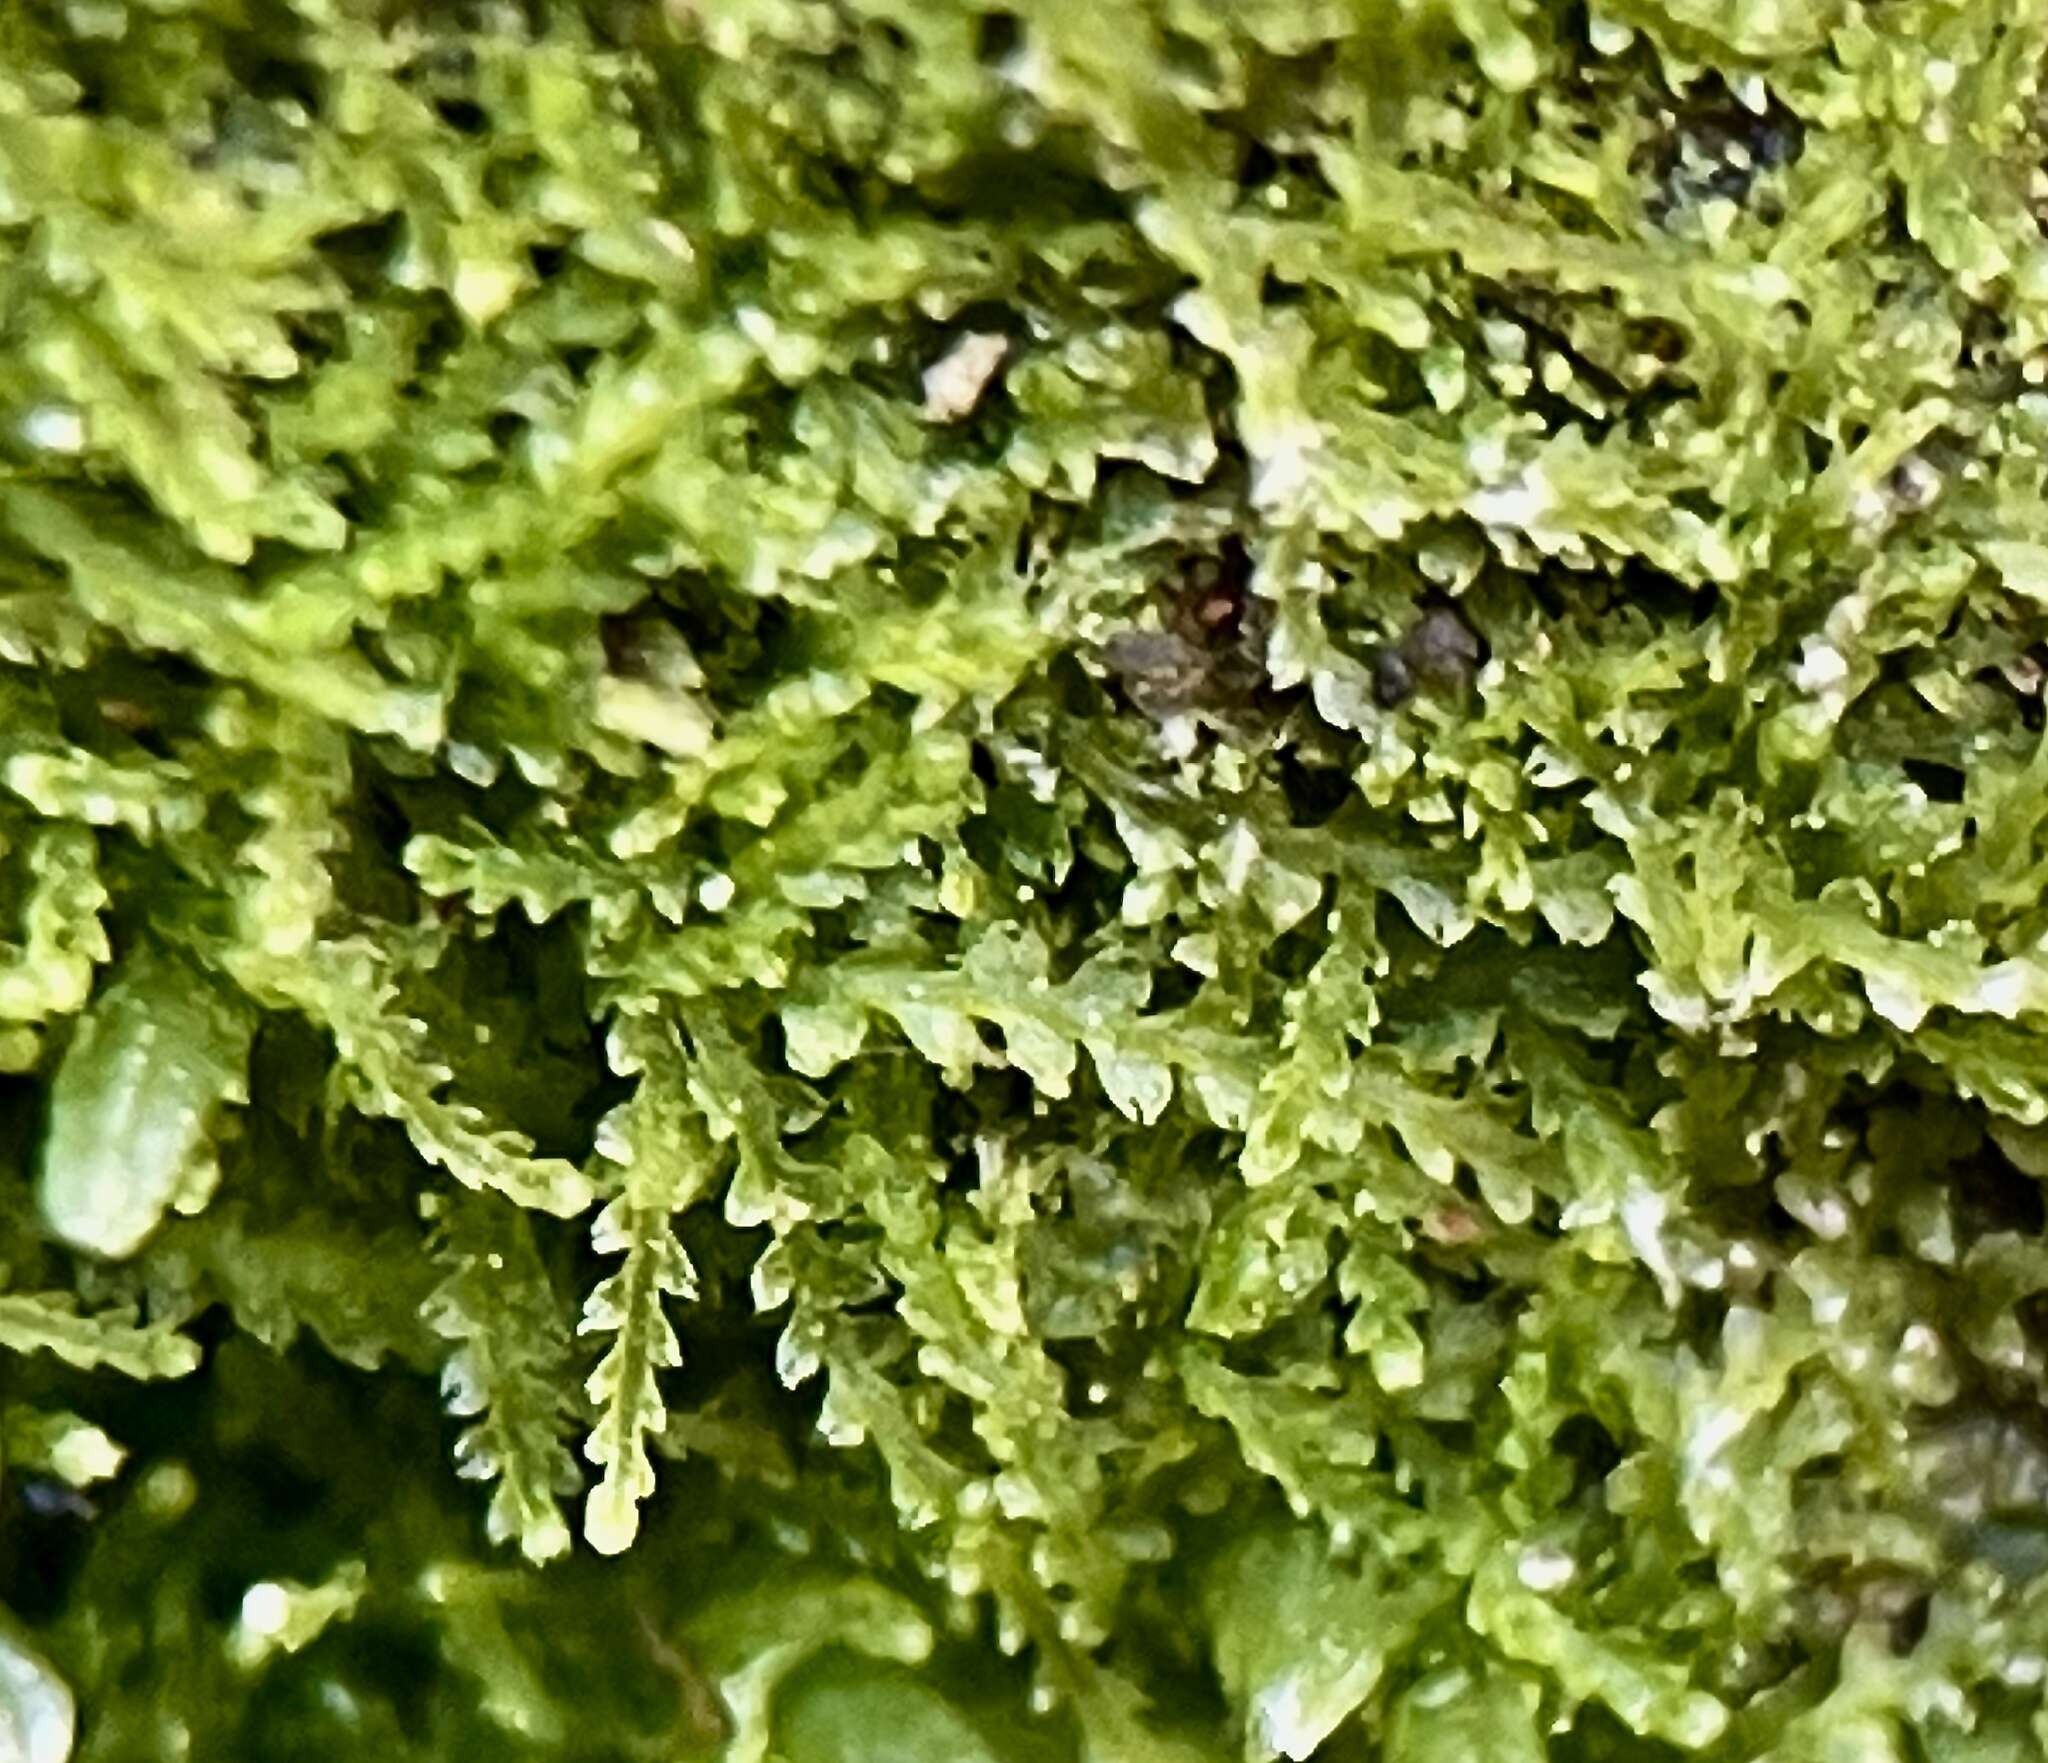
1125, 880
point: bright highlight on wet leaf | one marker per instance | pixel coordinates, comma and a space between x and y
931, 881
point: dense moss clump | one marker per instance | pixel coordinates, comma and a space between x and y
895, 881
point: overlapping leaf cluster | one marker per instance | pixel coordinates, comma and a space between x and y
1127, 881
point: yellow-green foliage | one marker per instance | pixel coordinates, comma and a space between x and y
1125, 880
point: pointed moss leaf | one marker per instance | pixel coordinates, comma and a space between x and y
1263, 1257
148, 801
51, 1322
946, 1037
773, 1182
1648, 1695
288, 861
1387, 1295
49, 971
1305, 1096
507, 1371
1138, 1087
283, 1616
488, 876
656, 1142
820, 1038
389, 1071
